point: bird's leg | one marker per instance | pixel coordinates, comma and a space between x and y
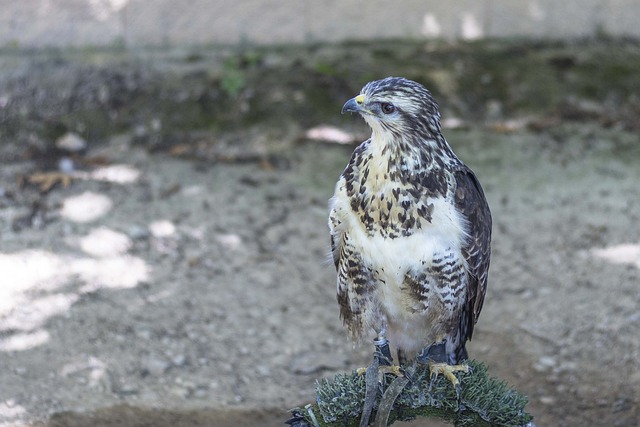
382, 355
382, 363
435, 355
371, 380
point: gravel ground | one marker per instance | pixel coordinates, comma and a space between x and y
167, 290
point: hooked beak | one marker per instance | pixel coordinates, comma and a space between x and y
354, 105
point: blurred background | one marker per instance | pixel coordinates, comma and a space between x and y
164, 179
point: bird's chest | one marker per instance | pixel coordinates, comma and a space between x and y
403, 269
393, 202
393, 251
400, 222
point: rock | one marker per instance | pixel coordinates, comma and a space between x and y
330, 134
126, 390
71, 142
263, 370
547, 400
200, 393
312, 362
155, 366
179, 360
65, 165
136, 232
544, 364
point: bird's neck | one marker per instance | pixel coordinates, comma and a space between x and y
406, 156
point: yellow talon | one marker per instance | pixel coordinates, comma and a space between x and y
447, 370
395, 370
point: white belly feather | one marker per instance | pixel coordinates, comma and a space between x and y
391, 259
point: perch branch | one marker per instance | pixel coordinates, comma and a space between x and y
484, 400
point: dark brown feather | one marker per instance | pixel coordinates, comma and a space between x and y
471, 202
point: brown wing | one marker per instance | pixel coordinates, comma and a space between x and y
354, 278
354, 283
471, 202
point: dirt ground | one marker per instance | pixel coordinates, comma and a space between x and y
158, 290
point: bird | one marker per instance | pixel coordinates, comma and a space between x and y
410, 231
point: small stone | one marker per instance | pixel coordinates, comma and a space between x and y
312, 362
144, 334
71, 142
200, 393
330, 134
65, 165
155, 366
263, 370
136, 232
179, 360
127, 389
545, 363
547, 400
179, 391
229, 241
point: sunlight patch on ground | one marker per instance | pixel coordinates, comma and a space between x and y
10, 409
120, 272
22, 271
103, 242
34, 314
471, 27
430, 26
96, 368
24, 341
330, 134
627, 253
103, 10
118, 174
162, 228
86, 207
31, 281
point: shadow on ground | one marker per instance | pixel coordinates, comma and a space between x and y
129, 416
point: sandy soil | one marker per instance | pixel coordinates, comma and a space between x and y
155, 290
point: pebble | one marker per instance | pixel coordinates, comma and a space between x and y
127, 389
144, 334
155, 366
136, 232
313, 362
71, 142
547, 400
179, 360
200, 393
179, 391
65, 165
263, 370
545, 363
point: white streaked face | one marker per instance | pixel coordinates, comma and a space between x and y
397, 106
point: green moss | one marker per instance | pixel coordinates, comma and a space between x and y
484, 400
222, 88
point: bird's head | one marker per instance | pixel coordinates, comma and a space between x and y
398, 106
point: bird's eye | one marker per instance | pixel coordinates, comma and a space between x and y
387, 107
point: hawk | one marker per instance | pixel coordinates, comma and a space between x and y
410, 229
